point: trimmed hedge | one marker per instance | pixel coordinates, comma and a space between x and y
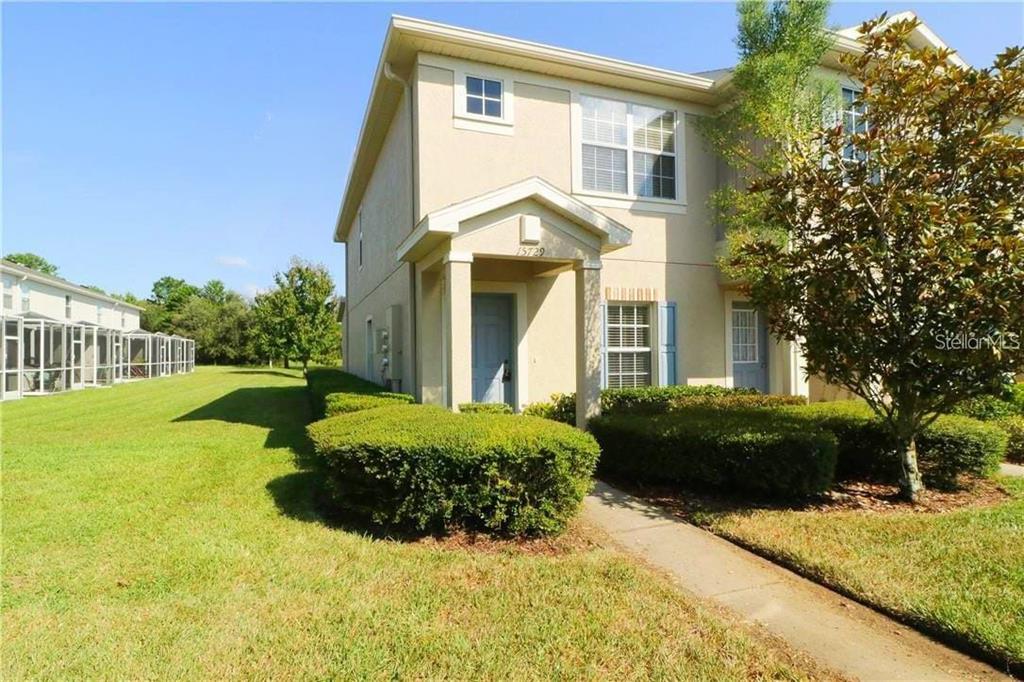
423, 468
662, 399
952, 446
485, 408
322, 382
342, 403
1014, 428
741, 452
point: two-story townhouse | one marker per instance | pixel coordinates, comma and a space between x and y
59, 336
522, 219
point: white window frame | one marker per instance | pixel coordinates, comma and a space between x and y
67, 306
855, 116
359, 244
630, 350
26, 297
481, 122
630, 199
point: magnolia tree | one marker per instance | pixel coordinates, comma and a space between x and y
892, 253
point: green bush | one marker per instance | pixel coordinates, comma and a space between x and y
990, 407
662, 399
561, 408
742, 452
485, 408
952, 446
322, 382
421, 467
1014, 428
341, 403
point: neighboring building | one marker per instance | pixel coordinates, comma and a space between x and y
60, 336
522, 220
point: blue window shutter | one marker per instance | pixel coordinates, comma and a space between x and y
667, 343
604, 346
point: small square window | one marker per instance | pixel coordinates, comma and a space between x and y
483, 97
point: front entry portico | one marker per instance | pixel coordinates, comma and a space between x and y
508, 297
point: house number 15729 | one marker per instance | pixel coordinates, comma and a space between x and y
531, 251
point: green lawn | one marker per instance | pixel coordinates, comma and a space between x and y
161, 530
959, 573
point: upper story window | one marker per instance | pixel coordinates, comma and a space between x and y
8, 295
67, 306
628, 149
99, 313
122, 319
854, 121
359, 218
26, 297
483, 97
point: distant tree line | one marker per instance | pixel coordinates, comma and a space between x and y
294, 321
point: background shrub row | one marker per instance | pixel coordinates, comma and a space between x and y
322, 382
660, 400
421, 467
729, 450
951, 447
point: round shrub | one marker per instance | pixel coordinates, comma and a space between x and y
421, 467
485, 408
342, 403
749, 453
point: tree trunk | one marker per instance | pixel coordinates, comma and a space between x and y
286, 365
305, 366
911, 485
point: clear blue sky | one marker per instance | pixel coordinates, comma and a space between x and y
213, 141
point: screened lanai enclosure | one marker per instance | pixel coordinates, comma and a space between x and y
42, 355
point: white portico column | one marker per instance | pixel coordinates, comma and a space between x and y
458, 328
588, 340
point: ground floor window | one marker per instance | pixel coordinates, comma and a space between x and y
628, 344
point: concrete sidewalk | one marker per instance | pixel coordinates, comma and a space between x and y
1008, 469
840, 633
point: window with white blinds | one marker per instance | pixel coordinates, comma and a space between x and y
744, 336
628, 348
854, 121
628, 149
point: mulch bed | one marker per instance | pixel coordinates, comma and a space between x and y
871, 498
577, 538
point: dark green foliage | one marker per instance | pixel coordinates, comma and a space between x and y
485, 408
729, 450
661, 399
33, 262
1014, 428
1009, 402
322, 382
341, 403
423, 468
952, 446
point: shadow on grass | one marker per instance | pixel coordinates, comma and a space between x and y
303, 496
268, 372
283, 410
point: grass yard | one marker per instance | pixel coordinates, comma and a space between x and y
959, 573
161, 530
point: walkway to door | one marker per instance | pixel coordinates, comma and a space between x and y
839, 633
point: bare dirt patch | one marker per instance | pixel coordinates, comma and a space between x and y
577, 538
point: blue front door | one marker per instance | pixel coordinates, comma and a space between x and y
492, 348
749, 348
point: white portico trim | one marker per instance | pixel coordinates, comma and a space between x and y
438, 225
508, 242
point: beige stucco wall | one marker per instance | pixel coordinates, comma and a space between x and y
672, 254
381, 281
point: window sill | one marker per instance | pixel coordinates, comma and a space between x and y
645, 205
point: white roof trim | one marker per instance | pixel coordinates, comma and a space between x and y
21, 272
445, 222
